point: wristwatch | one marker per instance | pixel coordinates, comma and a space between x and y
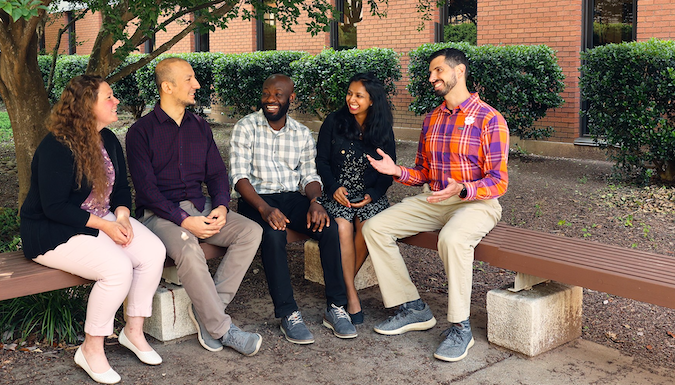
316, 200
462, 194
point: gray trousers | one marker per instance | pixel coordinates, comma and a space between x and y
210, 296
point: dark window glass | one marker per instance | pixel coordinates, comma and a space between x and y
343, 32
458, 22
613, 21
267, 33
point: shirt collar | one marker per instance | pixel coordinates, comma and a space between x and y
462, 106
163, 117
289, 126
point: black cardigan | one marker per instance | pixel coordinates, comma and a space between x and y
330, 159
51, 213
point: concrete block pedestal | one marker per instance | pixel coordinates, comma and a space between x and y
534, 321
170, 318
314, 272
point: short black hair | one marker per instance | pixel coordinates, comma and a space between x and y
453, 57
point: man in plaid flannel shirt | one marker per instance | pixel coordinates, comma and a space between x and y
461, 158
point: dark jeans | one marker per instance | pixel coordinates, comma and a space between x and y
273, 250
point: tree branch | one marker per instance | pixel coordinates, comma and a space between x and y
165, 47
55, 51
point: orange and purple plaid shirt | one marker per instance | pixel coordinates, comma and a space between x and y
469, 145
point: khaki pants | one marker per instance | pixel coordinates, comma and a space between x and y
210, 296
463, 225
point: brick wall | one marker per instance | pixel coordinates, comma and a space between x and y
238, 37
300, 39
86, 30
397, 31
655, 18
54, 23
554, 23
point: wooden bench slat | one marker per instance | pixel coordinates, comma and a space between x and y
628, 273
19, 277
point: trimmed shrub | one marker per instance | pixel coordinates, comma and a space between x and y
126, 89
239, 77
467, 32
521, 82
67, 67
202, 63
321, 81
630, 89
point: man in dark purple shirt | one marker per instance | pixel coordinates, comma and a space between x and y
171, 155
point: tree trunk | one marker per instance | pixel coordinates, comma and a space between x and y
27, 105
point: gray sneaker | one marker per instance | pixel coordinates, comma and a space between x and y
245, 343
339, 322
295, 330
457, 343
406, 320
209, 343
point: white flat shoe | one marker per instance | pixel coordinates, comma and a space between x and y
108, 377
150, 358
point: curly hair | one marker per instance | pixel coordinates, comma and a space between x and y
73, 123
379, 121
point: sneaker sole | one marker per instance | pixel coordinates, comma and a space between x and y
257, 347
199, 335
293, 340
417, 326
453, 359
338, 335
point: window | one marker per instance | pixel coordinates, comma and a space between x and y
72, 41
607, 21
266, 33
149, 44
343, 31
457, 22
201, 41
613, 21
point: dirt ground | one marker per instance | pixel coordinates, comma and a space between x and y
572, 198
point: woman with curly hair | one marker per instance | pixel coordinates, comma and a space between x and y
354, 190
76, 218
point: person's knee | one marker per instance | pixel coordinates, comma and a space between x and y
118, 272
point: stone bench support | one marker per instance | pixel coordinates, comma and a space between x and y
534, 321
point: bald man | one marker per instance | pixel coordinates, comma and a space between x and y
271, 162
171, 154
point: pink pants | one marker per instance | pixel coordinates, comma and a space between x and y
132, 271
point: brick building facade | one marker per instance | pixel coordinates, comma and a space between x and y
560, 24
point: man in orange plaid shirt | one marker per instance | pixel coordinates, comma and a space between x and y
462, 157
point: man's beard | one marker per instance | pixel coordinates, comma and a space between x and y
283, 109
448, 87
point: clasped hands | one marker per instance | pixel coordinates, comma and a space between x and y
206, 226
341, 196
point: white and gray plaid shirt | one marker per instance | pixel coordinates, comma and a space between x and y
273, 161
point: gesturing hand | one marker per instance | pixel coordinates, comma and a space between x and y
384, 166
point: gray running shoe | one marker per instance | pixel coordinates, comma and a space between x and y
209, 343
406, 320
295, 330
245, 343
339, 322
457, 343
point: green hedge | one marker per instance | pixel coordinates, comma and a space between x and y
630, 89
239, 78
522, 82
321, 81
467, 32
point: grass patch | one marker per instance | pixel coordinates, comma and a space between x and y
5, 127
